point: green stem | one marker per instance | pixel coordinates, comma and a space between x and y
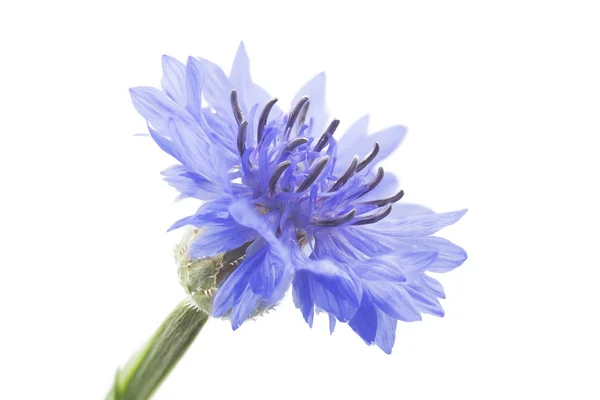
146, 370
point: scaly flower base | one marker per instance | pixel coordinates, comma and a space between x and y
146, 370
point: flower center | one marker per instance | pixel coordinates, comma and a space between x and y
295, 173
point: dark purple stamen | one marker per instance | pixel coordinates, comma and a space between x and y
294, 143
262, 121
339, 220
237, 109
294, 114
374, 182
325, 137
241, 138
368, 158
371, 219
279, 170
389, 200
344, 178
314, 172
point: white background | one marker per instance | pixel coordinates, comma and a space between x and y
502, 102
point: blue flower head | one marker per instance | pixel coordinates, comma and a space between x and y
303, 208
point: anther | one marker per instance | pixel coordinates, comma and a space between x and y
241, 138
279, 170
325, 137
294, 114
374, 182
313, 174
237, 109
389, 200
339, 220
376, 217
346, 175
293, 144
302, 115
262, 121
368, 158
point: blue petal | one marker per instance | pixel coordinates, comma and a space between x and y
197, 152
303, 297
315, 90
400, 210
222, 132
364, 321
218, 238
156, 107
245, 214
215, 211
326, 285
394, 267
165, 144
386, 332
394, 300
350, 141
193, 93
249, 93
190, 184
332, 321
424, 300
173, 79
272, 276
234, 287
217, 87
254, 283
389, 139
425, 224
434, 286
449, 257
356, 140
246, 305
412, 225
374, 243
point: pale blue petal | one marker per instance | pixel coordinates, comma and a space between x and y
190, 184
163, 142
173, 79
156, 107
424, 300
450, 255
332, 322
216, 211
364, 321
386, 332
400, 210
303, 297
245, 306
415, 225
217, 87
394, 267
350, 141
389, 139
196, 152
434, 286
357, 141
328, 286
317, 113
194, 85
218, 238
245, 214
234, 286
249, 93
394, 300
